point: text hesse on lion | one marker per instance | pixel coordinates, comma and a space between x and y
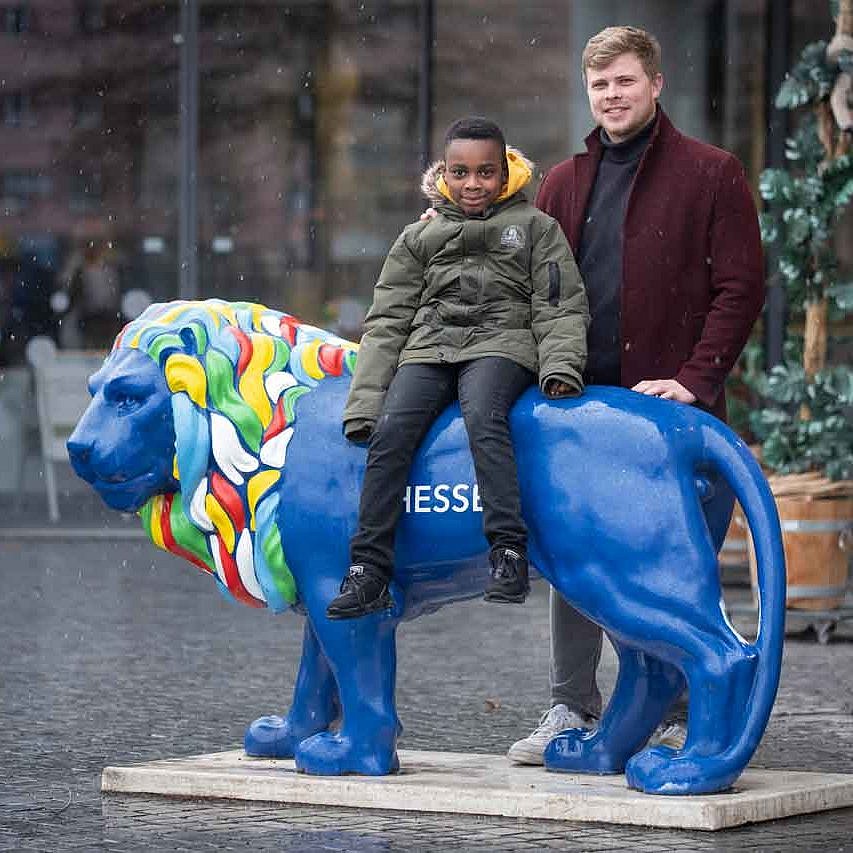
443, 497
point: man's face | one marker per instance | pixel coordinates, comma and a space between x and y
622, 97
474, 173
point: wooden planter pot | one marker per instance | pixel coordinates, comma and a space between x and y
817, 533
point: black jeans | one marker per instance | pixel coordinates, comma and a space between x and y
486, 387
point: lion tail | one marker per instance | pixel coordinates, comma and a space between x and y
731, 457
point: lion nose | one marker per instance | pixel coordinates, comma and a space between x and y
79, 452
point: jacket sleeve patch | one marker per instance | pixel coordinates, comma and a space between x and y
553, 283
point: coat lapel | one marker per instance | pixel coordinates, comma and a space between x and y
586, 168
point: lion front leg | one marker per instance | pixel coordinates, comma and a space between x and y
362, 655
314, 706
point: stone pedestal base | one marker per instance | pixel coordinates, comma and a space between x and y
463, 783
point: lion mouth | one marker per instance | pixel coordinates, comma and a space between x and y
124, 493
109, 481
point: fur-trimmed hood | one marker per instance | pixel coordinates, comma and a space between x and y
520, 175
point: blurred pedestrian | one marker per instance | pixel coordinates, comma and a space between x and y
91, 286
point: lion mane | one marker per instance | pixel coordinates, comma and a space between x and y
235, 372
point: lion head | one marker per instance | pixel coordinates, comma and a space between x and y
189, 424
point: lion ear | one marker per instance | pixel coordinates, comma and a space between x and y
192, 445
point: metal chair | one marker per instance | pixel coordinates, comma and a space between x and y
60, 379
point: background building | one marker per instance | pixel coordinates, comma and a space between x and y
311, 123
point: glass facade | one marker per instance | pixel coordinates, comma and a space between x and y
308, 155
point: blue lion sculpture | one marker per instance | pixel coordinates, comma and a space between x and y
221, 424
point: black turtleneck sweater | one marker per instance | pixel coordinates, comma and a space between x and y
600, 253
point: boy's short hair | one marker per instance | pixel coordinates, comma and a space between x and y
474, 127
611, 42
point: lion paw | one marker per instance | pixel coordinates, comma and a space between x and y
327, 754
661, 770
582, 751
271, 737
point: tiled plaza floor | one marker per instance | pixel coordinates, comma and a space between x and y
114, 652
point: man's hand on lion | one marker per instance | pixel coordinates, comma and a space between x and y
669, 389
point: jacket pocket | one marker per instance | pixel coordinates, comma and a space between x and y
553, 283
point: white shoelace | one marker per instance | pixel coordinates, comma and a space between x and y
554, 720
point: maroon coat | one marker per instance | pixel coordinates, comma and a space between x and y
692, 266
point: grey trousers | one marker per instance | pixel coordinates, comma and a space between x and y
575, 653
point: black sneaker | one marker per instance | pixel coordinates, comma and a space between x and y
509, 579
364, 590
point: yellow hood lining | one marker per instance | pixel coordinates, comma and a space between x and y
520, 175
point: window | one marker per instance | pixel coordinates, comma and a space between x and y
16, 19
88, 111
22, 185
90, 16
17, 109
86, 190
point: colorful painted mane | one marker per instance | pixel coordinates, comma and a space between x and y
221, 424
235, 371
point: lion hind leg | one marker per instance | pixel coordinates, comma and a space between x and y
689, 632
645, 688
314, 707
715, 691
706, 763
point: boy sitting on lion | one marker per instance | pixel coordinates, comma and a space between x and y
470, 304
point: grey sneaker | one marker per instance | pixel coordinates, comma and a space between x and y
559, 718
672, 735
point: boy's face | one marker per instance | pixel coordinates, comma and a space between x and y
622, 97
474, 173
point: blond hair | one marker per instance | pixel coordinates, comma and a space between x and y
611, 42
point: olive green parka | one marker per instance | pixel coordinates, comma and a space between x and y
455, 288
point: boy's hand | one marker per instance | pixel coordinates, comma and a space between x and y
359, 430
557, 388
429, 213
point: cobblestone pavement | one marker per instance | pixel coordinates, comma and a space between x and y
114, 652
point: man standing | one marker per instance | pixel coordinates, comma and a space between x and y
665, 233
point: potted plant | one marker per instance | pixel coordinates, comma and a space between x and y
805, 424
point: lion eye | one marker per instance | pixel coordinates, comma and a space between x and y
126, 403
125, 396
